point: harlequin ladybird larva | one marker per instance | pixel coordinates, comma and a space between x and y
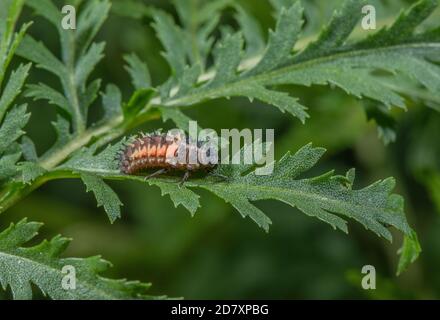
165, 152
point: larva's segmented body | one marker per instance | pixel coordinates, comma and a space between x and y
161, 151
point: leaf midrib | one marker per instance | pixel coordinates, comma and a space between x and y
262, 78
266, 188
109, 175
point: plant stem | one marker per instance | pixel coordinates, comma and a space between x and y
15, 190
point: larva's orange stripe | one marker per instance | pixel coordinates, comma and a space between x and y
161, 151
154, 151
139, 153
142, 152
151, 151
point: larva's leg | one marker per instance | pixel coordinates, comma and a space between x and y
221, 176
155, 174
185, 178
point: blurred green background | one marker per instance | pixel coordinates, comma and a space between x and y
217, 254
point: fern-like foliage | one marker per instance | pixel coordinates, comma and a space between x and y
13, 118
79, 58
42, 266
328, 197
331, 59
205, 68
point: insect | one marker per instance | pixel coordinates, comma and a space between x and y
165, 152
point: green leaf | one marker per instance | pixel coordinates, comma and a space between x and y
30, 171
43, 92
87, 63
104, 164
333, 59
404, 27
173, 41
251, 32
336, 33
9, 12
104, 195
177, 116
193, 13
42, 265
12, 119
62, 130
138, 71
386, 124
227, 59
37, 52
90, 21
7, 165
89, 95
199, 20
79, 57
48, 10
130, 8
409, 252
139, 101
179, 195
282, 41
281, 100
89, 161
328, 197
112, 102
28, 149
280, 4
188, 79
12, 126
13, 88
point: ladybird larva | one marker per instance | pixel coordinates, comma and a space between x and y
163, 151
